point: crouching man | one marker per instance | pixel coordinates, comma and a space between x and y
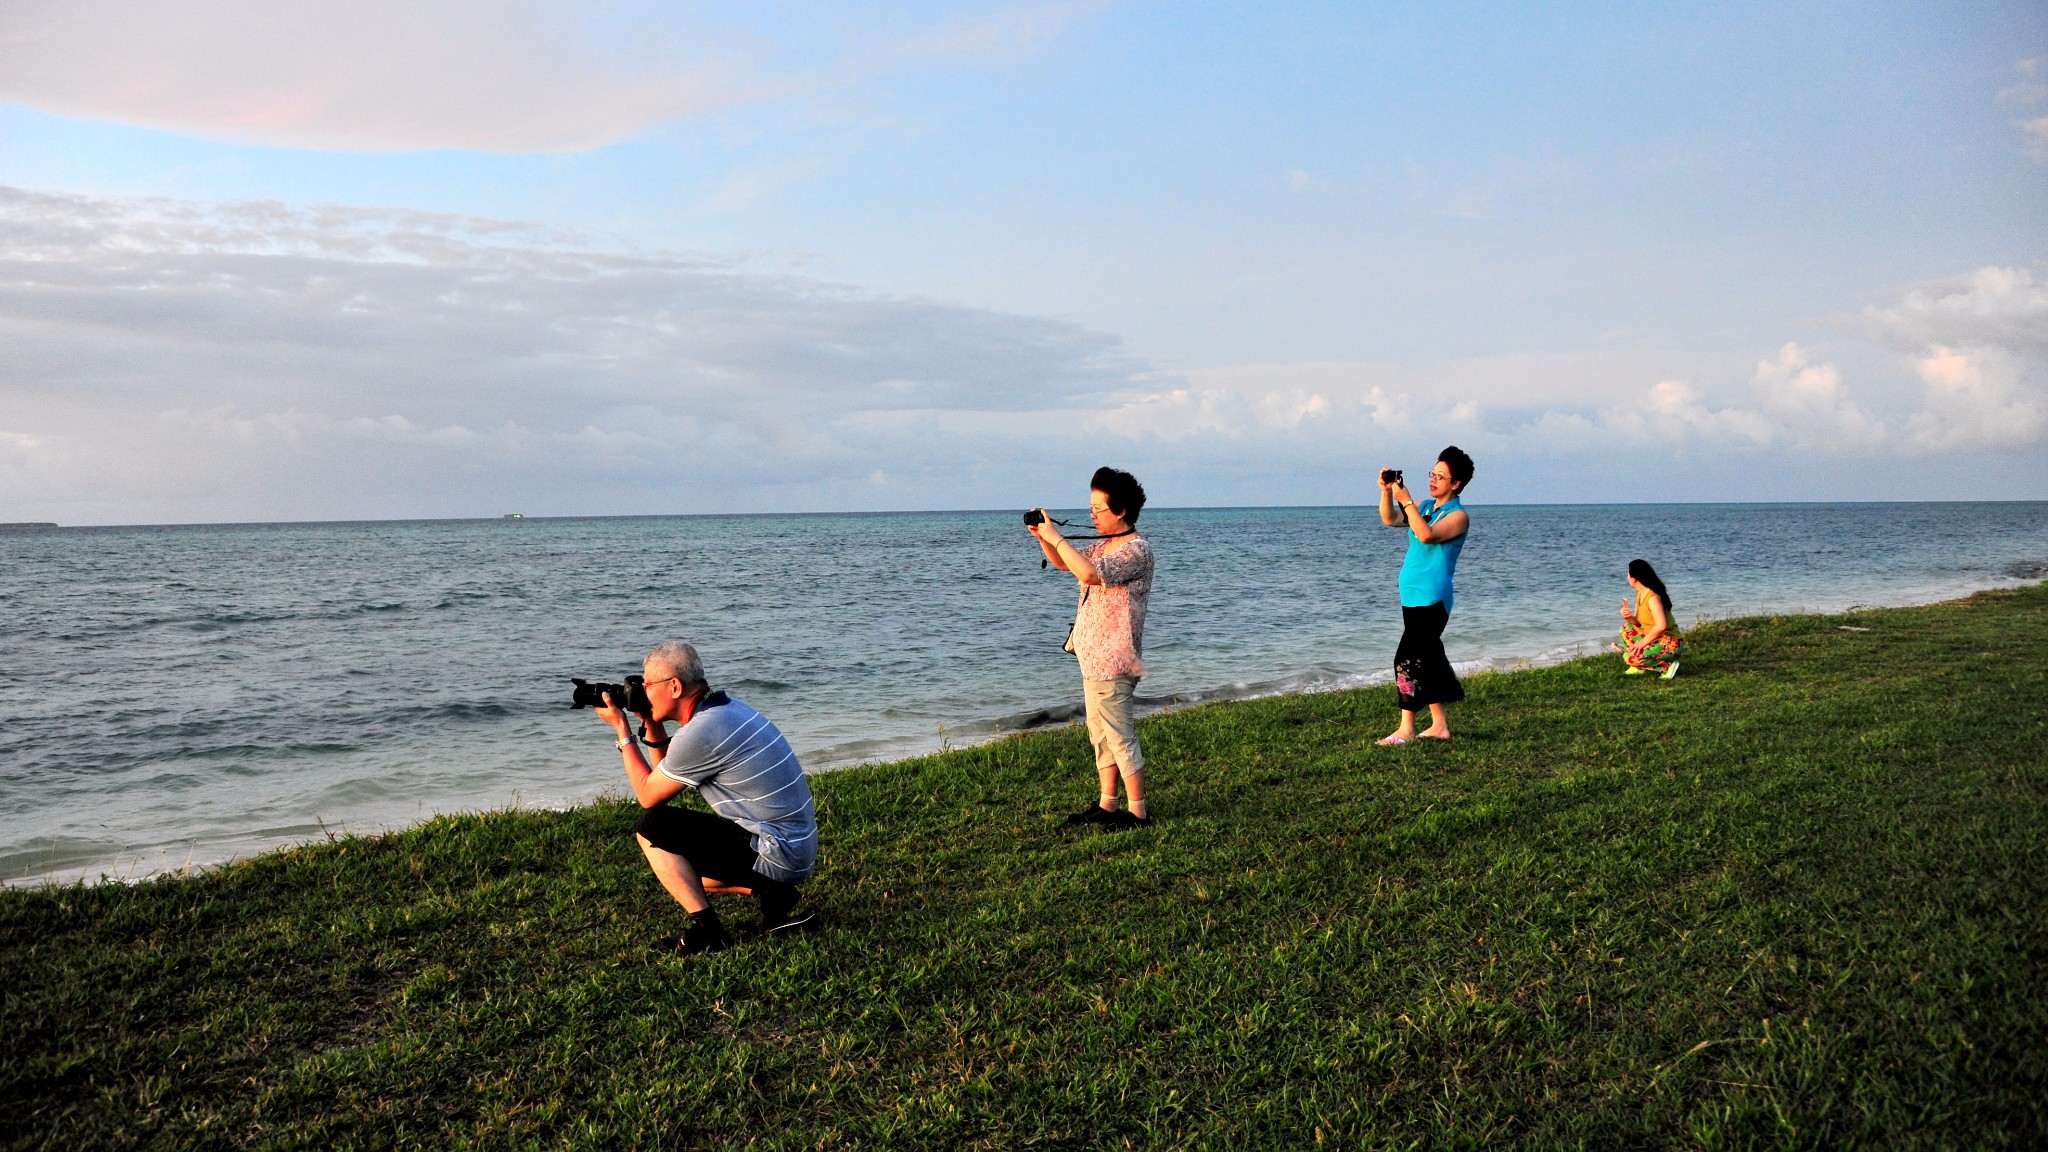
764, 836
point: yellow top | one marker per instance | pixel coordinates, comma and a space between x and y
1644, 613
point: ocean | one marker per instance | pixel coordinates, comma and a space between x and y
171, 697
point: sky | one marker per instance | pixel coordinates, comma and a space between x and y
300, 259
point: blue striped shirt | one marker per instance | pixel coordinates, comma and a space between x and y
747, 772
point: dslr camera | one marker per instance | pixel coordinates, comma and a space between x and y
629, 697
1390, 475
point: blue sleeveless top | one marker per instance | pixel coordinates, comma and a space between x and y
1426, 571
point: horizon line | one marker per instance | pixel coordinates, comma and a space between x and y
31, 527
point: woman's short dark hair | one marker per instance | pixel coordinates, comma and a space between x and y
1126, 495
1461, 465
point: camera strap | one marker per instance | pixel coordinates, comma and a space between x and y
1042, 562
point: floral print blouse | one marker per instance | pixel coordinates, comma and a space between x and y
1109, 625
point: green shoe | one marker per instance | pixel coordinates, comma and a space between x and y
1631, 671
1671, 671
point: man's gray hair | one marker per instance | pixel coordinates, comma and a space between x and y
680, 661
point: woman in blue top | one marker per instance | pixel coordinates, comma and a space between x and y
1422, 673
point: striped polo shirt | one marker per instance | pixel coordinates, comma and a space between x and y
747, 772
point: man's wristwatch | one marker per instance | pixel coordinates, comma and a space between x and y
624, 742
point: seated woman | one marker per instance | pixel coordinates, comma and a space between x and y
1649, 630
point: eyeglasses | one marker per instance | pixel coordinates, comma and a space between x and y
663, 680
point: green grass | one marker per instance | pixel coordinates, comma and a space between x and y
1794, 898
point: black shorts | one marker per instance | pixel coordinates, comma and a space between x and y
716, 847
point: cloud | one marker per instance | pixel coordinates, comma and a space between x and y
2032, 86
178, 361
2036, 132
2030, 91
1302, 180
1005, 33
1812, 408
1998, 307
1976, 399
169, 360
488, 75
1976, 344
1979, 344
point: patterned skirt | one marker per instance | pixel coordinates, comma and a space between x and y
1660, 655
1422, 673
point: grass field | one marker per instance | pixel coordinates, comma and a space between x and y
1796, 898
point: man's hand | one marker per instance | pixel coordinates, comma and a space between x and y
612, 715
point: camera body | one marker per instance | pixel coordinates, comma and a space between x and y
630, 696
1034, 518
1390, 476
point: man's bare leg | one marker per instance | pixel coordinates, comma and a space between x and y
676, 876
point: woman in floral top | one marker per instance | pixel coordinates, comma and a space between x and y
1109, 638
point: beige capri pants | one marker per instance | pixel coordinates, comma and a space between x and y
1111, 729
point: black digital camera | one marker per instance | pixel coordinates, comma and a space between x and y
1034, 518
1390, 475
630, 696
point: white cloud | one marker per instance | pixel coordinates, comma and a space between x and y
1812, 408
2036, 132
1302, 180
1976, 398
2030, 91
176, 361
2032, 86
1977, 345
1004, 33
488, 75
1997, 307
1674, 411
170, 361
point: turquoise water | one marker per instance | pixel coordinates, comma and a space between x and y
175, 696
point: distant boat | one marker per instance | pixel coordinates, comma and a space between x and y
514, 516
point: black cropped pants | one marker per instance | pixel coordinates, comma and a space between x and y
1422, 673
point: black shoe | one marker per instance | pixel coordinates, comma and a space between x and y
1093, 814
791, 924
705, 936
1125, 822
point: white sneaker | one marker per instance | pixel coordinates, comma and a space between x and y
1671, 671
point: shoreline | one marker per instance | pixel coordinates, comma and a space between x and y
1334, 679
1797, 891
971, 736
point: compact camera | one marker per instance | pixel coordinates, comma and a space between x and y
1034, 518
1390, 476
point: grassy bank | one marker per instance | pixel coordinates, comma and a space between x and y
1797, 897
